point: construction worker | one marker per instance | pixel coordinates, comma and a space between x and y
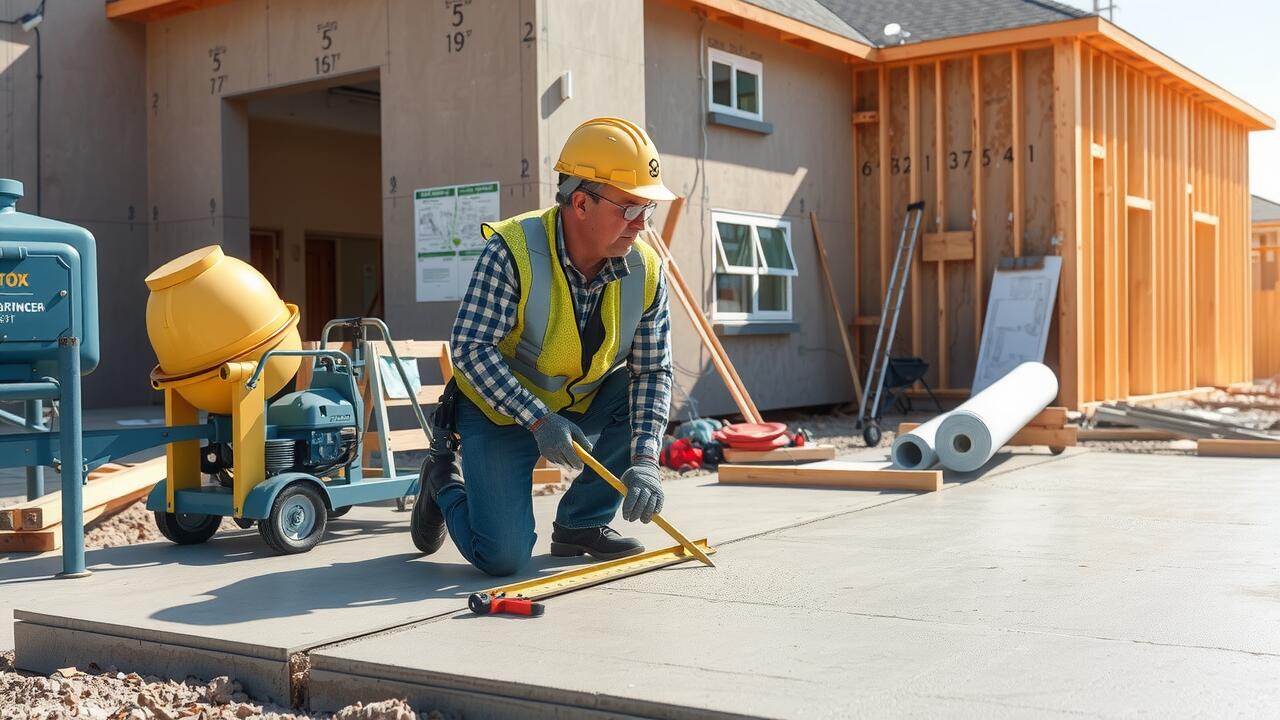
563, 335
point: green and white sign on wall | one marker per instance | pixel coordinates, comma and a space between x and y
447, 237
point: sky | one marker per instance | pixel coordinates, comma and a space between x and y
1233, 43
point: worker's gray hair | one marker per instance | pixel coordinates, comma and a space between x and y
569, 184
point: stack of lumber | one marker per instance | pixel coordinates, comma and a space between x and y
36, 525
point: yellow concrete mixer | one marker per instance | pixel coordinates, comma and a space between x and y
226, 345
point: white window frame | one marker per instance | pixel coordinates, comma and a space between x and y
735, 63
759, 268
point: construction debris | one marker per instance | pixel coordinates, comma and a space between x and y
1192, 423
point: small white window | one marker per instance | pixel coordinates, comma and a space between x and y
736, 84
754, 265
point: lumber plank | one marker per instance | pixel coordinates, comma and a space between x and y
1238, 448
833, 477
140, 478
1124, 433
835, 308
39, 541
1051, 437
786, 454
1029, 435
547, 475
944, 246
11, 517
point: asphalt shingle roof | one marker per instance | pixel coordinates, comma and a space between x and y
813, 12
864, 20
1263, 210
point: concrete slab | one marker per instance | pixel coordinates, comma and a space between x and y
1096, 584
231, 597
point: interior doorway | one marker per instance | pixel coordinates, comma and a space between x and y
315, 200
343, 279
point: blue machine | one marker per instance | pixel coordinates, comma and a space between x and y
286, 465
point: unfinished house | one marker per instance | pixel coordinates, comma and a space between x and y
1265, 249
298, 134
1028, 129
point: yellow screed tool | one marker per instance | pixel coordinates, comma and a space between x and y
658, 520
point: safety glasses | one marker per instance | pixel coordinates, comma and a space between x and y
629, 212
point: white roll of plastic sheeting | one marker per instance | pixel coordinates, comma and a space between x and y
969, 435
914, 450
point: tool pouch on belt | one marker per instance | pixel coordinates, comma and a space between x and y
444, 419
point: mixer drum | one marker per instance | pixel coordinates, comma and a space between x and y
207, 309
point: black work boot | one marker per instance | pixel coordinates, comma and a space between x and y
426, 526
602, 543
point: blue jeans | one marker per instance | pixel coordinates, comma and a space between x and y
491, 518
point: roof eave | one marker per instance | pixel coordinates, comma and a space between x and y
779, 26
1100, 32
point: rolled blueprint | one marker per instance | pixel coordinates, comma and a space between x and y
914, 450
969, 435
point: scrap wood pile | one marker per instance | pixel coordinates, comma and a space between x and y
36, 525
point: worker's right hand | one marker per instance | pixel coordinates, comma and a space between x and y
555, 437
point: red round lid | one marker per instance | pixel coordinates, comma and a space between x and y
753, 432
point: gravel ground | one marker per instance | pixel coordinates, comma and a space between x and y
111, 695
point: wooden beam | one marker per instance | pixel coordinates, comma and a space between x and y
849, 359
913, 150
886, 198
1238, 448
673, 218
834, 477
857, 215
1139, 203
866, 117
808, 453
134, 482
1015, 112
983, 42
1124, 434
955, 245
939, 151
1067, 215
979, 270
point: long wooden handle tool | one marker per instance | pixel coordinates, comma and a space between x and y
658, 520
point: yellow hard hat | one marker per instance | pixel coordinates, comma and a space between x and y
615, 152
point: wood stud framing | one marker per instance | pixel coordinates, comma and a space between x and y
1143, 193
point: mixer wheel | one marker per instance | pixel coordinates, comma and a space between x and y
297, 520
187, 528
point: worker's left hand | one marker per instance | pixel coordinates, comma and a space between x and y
644, 492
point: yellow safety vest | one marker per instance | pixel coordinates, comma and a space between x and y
546, 352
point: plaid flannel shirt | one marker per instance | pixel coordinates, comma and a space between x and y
488, 314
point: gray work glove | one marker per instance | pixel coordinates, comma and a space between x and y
644, 492
555, 437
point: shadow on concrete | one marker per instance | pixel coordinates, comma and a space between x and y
401, 578
225, 547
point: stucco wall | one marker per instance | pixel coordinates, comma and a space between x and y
93, 143
802, 166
